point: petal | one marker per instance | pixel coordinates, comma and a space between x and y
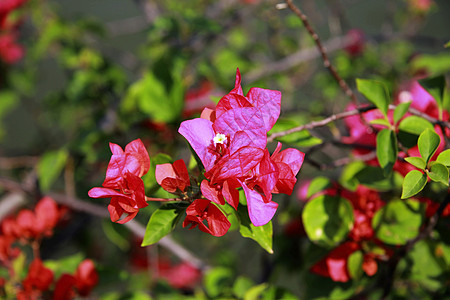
199, 133
140, 162
230, 192
260, 213
166, 171
291, 157
248, 119
237, 84
237, 165
114, 172
115, 149
211, 193
104, 193
231, 101
267, 175
208, 114
286, 179
268, 102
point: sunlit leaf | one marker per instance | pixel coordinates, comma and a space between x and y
354, 264
50, 166
387, 150
327, 220
375, 92
444, 158
417, 162
413, 183
162, 222
260, 234
318, 184
428, 143
439, 173
400, 110
398, 221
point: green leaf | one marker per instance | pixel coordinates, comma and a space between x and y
410, 128
162, 222
398, 221
300, 138
318, 184
327, 220
216, 280
444, 158
150, 178
241, 286
428, 143
438, 173
435, 86
382, 122
347, 178
260, 234
413, 183
387, 150
255, 292
50, 166
417, 162
374, 178
401, 110
354, 264
375, 92
426, 268
67, 265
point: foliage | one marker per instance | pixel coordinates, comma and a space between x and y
203, 200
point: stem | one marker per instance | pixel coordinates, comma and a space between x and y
326, 61
320, 123
162, 199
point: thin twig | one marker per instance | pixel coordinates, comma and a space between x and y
320, 123
99, 211
326, 61
295, 59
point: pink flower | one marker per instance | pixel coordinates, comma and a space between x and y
181, 276
231, 140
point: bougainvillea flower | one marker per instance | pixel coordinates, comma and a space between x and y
173, 177
204, 210
64, 288
134, 160
289, 162
39, 277
334, 265
86, 277
127, 200
182, 276
10, 51
231, 140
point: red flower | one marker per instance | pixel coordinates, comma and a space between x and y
123, 183
128, 200
39, 277
134, 160
10, 51
356, 42
173, 177
181, 276
203, 210
334, 265
86, 277
64, 288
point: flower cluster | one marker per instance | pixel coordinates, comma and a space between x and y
365, 202
28, 228
231, 143
123, 183
10, 51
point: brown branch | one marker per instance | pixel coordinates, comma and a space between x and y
295, 59
387, 280
100, 211
17, 162
326, 61
320, 123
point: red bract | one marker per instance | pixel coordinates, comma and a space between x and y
203, 210
123, 183
86, 277
64, 288
134, 160
173, 177
128, 200
181, 276
356, 42
231, 141
334, 265
10, 51
38, 278
33, 224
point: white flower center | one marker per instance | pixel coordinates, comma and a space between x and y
405, 96
219, 139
